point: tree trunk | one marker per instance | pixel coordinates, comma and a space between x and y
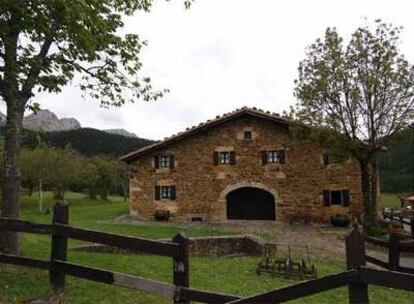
366, 187
375, 187
10, 207
40, 196
125, 191
103, 193
92, 193
30, 189
58, 193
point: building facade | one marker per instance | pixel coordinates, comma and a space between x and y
242, 165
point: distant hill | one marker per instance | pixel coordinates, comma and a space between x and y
60, 132
45, 120
121, 132
396, 166
86, 141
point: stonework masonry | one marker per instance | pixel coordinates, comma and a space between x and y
202, 187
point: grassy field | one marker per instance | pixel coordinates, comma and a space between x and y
225, 274
390, 200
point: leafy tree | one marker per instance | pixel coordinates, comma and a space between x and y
357, 97
109, 174
55, 169
65, 167
396, 165
43, 45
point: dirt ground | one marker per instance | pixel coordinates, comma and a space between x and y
323, 241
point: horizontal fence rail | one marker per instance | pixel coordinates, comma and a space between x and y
115, 278
357, 278
302, 289
403, 247
385, 278
24, 261
116, 240
25, 226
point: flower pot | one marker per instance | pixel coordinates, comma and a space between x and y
396, 227
340, 220
162, 215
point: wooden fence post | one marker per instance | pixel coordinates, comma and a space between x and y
181, 275
59, 246
355, 258
412, 226
394, 251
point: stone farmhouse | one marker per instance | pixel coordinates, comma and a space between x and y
244, 165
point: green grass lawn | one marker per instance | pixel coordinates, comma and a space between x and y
390, 200
224, 274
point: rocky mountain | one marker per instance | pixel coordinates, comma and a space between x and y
122, 132
45, 120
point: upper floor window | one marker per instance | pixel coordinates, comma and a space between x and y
336, 198
334, 158
224, 158
165, 192
273, 157
164, 161
248, 135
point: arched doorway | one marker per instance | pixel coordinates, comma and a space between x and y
250, 203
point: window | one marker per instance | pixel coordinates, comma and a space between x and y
224, 158
335, 158
273, 157
336, 198
165, 192
248, 135
164, 161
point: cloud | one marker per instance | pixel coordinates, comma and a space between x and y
222, 55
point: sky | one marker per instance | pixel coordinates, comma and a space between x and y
221, 55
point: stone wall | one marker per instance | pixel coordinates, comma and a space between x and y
201, 187
239, 245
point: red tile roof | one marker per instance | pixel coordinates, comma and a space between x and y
274, 117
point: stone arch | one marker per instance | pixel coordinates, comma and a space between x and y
241, 186
232, 187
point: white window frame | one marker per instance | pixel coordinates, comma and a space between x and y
164, 161
165, 192
272, 156
224, 158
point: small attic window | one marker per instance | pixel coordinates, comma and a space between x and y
248, 135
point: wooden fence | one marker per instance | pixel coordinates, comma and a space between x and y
357, 277
394, 246
405, 220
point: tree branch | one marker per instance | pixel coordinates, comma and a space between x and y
34, 72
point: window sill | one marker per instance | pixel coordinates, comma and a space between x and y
163, 170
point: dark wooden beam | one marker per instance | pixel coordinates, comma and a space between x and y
126, 242
24, 261
302, 289
24, 226
386, 278
119, 279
